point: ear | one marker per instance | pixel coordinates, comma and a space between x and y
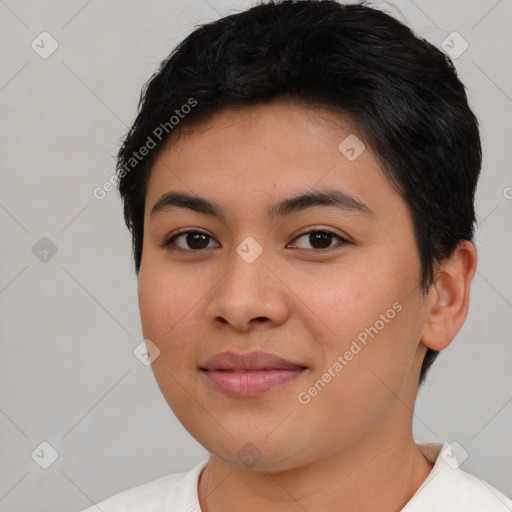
448, 299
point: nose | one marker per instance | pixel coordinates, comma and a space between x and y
249, 296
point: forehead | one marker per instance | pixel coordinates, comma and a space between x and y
259, 153
292, 120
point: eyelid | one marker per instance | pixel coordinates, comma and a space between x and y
168, 240
310, 229
323, 229
318, 229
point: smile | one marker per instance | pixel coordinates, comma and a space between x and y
249, 375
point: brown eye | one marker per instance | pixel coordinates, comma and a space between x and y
190, 240
319, 239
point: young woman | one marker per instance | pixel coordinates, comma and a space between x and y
299, 184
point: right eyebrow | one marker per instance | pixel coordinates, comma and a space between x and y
184, 200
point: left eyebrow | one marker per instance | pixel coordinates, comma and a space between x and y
329, 197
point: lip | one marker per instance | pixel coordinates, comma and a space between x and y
249, 375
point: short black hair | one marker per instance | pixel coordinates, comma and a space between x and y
403, 92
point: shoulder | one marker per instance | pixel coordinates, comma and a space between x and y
450, 489
476, 495
172, 492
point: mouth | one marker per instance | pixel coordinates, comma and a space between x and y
249, 375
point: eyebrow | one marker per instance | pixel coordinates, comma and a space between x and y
329, 197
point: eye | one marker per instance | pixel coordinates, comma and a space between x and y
190, 240
320, 239
195, 240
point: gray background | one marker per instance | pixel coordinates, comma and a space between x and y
69, 325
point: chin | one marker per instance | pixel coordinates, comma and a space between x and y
256, 453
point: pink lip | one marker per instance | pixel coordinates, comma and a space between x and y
248, 375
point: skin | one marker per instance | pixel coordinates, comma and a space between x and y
351, 446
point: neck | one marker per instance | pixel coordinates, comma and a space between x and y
368, 477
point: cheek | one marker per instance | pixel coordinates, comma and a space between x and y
342, 303
166, 301
366, 325
167, 298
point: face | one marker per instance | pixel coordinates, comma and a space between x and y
289, 329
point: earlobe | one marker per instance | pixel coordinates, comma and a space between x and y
448, 300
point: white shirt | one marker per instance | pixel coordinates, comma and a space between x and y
446, 489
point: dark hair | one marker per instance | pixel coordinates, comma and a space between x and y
402, 91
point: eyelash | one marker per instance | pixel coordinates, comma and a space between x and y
171, 239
